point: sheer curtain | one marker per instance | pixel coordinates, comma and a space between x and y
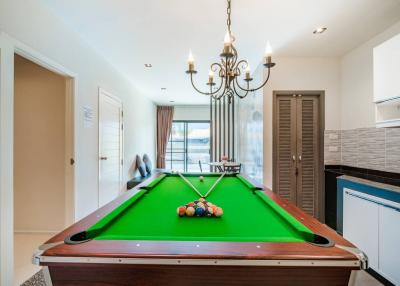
165, 116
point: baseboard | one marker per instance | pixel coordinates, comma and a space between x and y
379, 277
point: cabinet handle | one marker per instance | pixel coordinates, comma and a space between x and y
373, 201
103, 158
299, 158
294, 158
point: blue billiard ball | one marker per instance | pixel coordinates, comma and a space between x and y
199, 211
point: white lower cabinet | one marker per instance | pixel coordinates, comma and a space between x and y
389, 244
373, 225
360, 225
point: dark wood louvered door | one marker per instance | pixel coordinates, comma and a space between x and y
286, 149
297, 150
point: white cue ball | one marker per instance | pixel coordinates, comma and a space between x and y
201, 179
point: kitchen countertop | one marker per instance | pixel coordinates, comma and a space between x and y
371, 183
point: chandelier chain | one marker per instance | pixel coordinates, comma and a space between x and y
228, 21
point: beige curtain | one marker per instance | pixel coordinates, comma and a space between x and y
165, 115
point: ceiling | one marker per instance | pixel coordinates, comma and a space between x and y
131, 33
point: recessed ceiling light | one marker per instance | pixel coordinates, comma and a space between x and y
320, 30
148, 65
163, 88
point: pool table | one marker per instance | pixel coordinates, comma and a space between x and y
138, 239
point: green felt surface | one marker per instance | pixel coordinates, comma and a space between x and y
248, 215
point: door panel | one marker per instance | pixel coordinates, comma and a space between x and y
110, 148
286, 149
307, 153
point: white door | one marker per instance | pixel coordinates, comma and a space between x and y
110, 147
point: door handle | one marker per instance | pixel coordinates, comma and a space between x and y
103, 158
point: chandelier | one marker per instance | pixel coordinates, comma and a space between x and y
230, 69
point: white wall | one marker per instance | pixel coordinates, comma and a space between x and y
47, 34
39, 148
192, 112
356, 69
301, 74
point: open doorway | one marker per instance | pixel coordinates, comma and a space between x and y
43, 161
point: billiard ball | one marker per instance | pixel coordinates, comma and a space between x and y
201, 179
199, 211
181, 211
190, 211
210, 211
219, 212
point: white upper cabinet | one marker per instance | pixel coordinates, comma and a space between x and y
387, 83
387, 70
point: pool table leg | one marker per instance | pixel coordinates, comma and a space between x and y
46, 276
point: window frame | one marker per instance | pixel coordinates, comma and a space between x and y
168, 154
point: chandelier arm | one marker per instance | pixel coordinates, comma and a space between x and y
218, 65
205, 93
218, 97
257, 88
237, 67
237, 93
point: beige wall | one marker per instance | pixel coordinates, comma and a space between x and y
45, 33
301, 74
356, 69
39, 148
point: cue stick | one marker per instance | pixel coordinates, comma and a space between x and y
215, 184
190, 185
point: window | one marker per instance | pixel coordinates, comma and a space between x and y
188, 144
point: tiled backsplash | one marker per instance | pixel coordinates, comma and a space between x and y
370, 148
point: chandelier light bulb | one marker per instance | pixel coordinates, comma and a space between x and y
227, 39
210, 76
248, 70
190, 57
268, 50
